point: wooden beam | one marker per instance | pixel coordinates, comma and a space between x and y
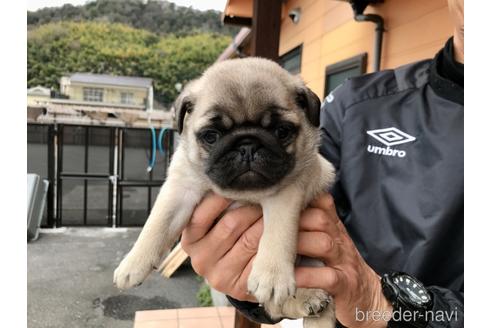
241, 321
172, 261
266, 28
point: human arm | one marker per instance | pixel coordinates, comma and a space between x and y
352, 282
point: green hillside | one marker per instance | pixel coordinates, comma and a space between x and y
59, 48
160, 17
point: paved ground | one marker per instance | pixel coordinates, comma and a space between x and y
69, 281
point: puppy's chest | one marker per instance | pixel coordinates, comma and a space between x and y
244, 196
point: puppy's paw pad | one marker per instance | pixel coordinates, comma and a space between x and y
316, 302
132, 271
306, 303
325, 319
271, 284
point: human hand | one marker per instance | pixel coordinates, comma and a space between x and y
223, 254
346, 276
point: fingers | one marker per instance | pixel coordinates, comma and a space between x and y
325, 218
325, 202
319, 245
240, 290
315, 219
203, 218
236, 286
228, 230
206, 252
325, 278
230, 274
245, 248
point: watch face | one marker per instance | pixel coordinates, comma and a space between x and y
412, 289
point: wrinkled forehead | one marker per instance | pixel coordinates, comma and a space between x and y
236, 101
217, 117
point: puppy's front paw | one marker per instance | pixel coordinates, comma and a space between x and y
133, 270
272, 282
305, 303
314, 301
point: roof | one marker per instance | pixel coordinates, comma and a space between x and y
39, 91
240, 8
129, 81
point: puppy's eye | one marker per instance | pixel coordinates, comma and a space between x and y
283, 132
211, 136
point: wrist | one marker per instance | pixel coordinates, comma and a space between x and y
376, 311
386, 310
382, 308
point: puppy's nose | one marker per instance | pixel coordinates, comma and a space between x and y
247, 148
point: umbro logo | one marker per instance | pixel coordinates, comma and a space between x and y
389, 137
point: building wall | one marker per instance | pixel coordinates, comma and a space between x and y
111, 94
415, 30
33, 100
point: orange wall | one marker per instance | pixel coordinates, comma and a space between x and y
415, 29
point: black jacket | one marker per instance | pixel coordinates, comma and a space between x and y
396, 140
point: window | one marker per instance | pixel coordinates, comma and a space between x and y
126, 98
291, 61
93, 94
337, 73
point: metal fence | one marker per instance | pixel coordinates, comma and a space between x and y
98, 175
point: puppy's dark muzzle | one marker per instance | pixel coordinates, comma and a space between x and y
248, 159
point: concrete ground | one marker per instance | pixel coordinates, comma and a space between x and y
70, 274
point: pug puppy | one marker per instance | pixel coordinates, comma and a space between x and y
249, 132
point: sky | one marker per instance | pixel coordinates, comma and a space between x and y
197, 4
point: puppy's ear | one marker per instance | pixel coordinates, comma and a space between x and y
310, 103
183, 105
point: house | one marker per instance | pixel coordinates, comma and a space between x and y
108, 90
327, 41
98, 99
38, 94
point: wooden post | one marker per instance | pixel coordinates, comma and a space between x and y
266, 28
242, 322
173, 261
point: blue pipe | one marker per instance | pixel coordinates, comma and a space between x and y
152, 157
155, 144
159, 140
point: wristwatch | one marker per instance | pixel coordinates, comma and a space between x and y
411, 302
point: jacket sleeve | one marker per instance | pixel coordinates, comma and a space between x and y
331, 127
330, 138
448, 309
331, 120
252, 311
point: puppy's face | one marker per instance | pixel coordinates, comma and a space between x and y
248, 124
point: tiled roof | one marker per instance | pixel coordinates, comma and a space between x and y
130, 81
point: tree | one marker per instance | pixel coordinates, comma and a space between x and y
99, 47
160, 17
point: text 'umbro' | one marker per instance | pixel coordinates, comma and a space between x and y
386, 151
